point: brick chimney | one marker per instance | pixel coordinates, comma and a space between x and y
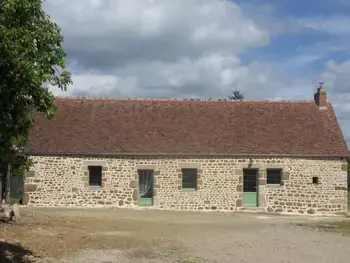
321, 97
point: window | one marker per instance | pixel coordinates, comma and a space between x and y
315, 180
189, 179
274, 176
95, 176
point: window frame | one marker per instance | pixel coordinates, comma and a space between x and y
280, 177
98, 185
189, 189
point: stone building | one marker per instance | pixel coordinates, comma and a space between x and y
274, 156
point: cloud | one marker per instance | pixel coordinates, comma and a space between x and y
337, 83
101, 34
166, 48
337, 25
159, 48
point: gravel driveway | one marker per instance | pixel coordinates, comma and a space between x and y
118, 235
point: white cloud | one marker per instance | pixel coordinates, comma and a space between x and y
156, 48
334, 25
103, 34
337, 83
337, 77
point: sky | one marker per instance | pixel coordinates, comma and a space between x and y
267, 49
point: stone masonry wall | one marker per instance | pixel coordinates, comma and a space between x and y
63, 181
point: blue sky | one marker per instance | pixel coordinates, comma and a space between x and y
207, 48
299, 42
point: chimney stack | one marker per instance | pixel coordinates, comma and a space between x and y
321, 97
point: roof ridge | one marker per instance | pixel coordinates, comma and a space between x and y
177, 99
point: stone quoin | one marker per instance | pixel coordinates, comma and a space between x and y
211, 155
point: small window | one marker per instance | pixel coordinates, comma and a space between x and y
274, 176
189, 179
95, 176
315, 180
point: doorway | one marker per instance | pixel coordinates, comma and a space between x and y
145, 187
250, 190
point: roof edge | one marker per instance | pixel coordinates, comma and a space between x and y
339, 128
176, 99
187, 154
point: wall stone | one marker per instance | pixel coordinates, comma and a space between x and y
63, 181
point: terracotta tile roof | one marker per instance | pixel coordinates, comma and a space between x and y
188, 127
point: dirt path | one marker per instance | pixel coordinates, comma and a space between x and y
101, 236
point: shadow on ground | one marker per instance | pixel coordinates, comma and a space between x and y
14, 253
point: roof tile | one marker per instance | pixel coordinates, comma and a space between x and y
187, 127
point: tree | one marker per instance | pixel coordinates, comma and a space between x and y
236, 95
31, 60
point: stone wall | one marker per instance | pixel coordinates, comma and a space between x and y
63, 181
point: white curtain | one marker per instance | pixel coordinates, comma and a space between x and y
145, 183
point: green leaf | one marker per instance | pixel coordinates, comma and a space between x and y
31, 56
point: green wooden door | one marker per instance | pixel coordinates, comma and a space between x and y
250, 195
145, 187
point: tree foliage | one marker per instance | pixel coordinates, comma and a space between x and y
31, 60
236, 95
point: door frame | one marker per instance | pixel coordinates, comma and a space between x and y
148, 201
251, 199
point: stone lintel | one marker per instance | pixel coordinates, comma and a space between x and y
250, 166
275, 166
146, 167
190, 165
94, 163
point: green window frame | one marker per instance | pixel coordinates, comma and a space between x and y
189, 179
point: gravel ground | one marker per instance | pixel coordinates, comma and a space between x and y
119, 235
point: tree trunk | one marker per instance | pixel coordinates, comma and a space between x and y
8, 182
